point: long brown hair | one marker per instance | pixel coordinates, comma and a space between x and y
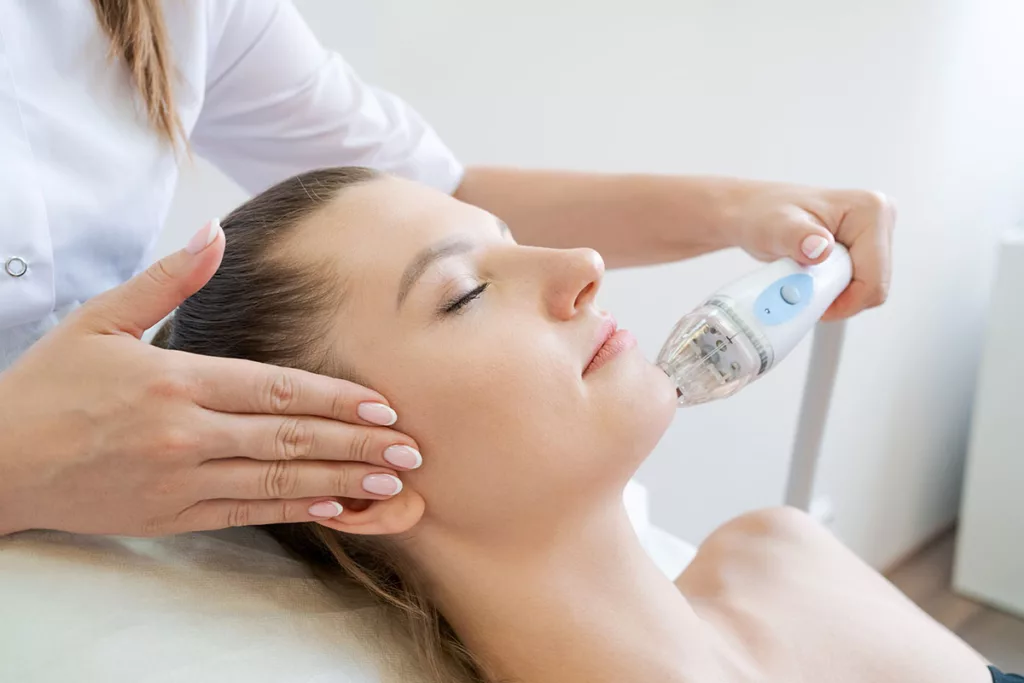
138, 36
266, 307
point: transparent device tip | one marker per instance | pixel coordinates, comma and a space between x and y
711, 354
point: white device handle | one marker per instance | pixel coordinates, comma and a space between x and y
784, 300
745, 329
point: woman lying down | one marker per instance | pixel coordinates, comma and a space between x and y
509, 556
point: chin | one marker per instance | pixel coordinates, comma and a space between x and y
643, 402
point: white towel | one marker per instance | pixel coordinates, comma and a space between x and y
212, 607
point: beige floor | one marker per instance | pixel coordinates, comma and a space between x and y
925, 578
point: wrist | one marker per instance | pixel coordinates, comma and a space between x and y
712, 207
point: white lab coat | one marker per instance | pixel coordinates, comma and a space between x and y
85, 183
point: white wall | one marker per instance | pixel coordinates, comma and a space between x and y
917, 98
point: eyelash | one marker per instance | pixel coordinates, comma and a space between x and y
458, 304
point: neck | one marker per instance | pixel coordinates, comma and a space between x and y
583, 603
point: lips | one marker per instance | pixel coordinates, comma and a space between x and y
611, 342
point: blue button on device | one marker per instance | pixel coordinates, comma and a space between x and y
790, 294
783, 299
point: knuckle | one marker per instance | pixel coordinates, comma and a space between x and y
239, 515
360, 447
279, 481
167, 385
175, 441
874, 200
341, 481
159, 275
338, 405
295, 438
281, 392
878, 296
289, 511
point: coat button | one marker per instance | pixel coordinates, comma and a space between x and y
16, 266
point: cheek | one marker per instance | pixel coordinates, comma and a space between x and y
487, 411
502, 390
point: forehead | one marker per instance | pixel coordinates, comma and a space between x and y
384, 223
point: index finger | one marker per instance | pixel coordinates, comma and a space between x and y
870, 284
230, 385
871, 273
849, 303
872, 264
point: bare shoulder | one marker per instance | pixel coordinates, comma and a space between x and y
781, 528
776, 577
777, 543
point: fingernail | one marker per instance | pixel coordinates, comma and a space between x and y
382, 484
813, 246
405, 457
204, 238
377, 413
326, 509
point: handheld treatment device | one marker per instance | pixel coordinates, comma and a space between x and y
744, 330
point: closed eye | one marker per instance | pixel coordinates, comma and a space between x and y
458, 304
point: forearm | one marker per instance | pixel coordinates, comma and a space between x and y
631, 219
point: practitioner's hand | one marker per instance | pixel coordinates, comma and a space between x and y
103, 433
772, 220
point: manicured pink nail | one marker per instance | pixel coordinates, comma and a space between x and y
813, 246
377, 413
382, 484
326, 509
204, 238
406, 457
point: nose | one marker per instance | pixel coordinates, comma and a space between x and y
574, 276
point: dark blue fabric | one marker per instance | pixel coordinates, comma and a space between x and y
999, 677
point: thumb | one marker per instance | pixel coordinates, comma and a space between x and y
151, 295
807, 242
815, 247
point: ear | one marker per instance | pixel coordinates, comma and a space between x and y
378, 517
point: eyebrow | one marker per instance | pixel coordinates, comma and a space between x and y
427, 257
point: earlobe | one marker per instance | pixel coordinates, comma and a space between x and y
379, 517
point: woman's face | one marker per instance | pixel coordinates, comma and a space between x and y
482, 346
